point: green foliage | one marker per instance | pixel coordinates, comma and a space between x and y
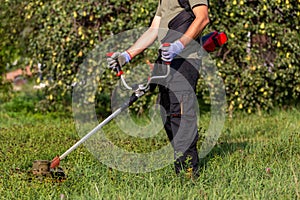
12, 32
6, 93
266, 73
19, 104
65, 32
61, 34
22, 102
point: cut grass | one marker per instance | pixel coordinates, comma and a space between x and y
256, 157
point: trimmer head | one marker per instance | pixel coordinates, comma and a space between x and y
43, 168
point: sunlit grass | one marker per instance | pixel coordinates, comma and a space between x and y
256, 157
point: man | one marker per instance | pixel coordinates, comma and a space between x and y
177, 96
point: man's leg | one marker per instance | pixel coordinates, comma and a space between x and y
178, 101
180, 123
183, 120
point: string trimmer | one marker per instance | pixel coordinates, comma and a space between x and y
138, 91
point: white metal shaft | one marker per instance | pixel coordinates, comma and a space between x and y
92, 132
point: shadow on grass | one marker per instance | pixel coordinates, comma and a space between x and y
223, 149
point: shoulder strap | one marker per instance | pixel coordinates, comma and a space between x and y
187, 7
185, 4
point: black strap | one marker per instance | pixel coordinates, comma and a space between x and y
187, 7
185, 4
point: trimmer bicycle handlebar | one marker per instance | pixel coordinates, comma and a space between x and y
146, 86
120, 74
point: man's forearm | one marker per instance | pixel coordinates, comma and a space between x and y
143, 42
146, 39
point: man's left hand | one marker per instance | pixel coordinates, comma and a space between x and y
168, 52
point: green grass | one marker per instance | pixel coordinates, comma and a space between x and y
234, 169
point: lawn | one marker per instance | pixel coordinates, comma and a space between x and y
256, 157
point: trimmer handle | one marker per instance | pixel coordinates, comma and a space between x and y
118, 67
166, 45
140, 87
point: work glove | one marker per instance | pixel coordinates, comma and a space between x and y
170, 50
118, 59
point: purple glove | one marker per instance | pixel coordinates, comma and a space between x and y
168, 52
118, 58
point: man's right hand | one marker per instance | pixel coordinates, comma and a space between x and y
118, 59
